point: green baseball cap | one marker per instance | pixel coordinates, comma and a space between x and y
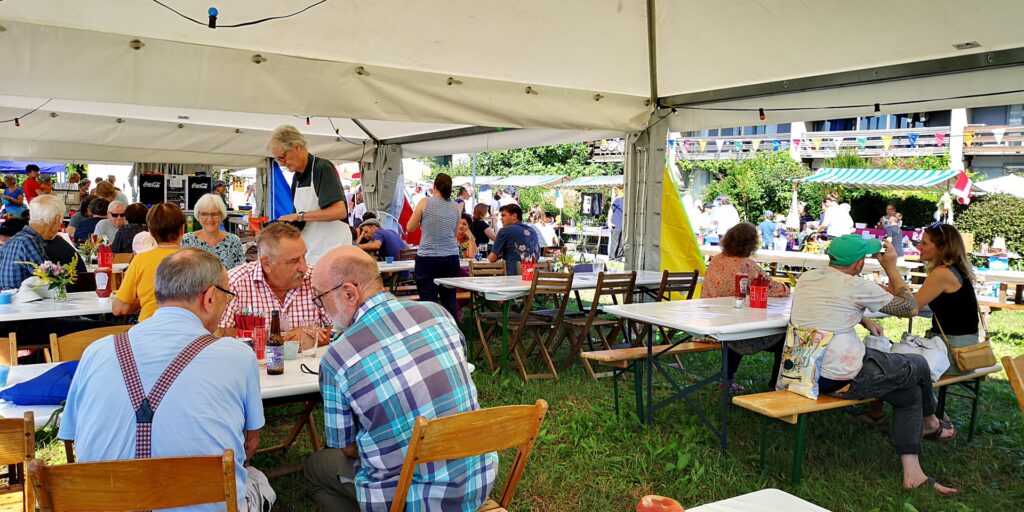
849, 249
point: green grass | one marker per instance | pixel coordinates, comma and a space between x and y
589, 459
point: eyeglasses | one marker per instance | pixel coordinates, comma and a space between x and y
318, 300
229, 293
116, 215
280, 159
213, 215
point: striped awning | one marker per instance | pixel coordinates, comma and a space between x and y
886, 179
593, 181
531, 180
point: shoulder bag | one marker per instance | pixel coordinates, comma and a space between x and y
971, 357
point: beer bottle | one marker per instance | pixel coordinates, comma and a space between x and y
275, 345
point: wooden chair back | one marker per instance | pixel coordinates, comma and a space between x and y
139, 484
17, 447
1014, 367
556, 285
71, 346
123, 257
9, 350
480, 269
549, 252
458, 436
683, 283
407, 254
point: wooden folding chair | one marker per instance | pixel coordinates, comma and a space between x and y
123, 257
407, 286
1014, 367
540, 265
138, 484
71, 346
407, 254
682, 283
550, 285
17, 446
618, 287
483, 308
549, 252
469, 434
9, 350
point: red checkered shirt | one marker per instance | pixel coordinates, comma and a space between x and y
252, 292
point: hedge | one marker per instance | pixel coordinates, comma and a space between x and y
994, 215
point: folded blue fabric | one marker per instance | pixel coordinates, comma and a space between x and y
50, 388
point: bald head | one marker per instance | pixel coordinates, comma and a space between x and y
348, 264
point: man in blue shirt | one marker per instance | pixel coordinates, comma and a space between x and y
615, 223
767, 229
375, 238
515, 240
213, 404
47, 214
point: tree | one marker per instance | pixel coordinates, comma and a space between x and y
761, 183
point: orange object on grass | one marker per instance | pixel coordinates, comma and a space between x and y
658, 504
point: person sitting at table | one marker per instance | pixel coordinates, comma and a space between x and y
13, 197
483, 234
213, 402
60, 251
97, 212
79, 216
720, 280
11, 227
515, 240
394, 361
279, 279
210, 211
166, 223
834, 299
109, 226
135, 223
464, 237
373, 237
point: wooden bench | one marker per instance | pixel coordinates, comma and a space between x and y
791, 408
630, 358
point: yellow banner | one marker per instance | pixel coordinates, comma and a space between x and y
886, 141
968, 138
703, 143
754, 144
817, 143
679, 249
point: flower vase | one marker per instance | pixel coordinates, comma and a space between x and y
60, 294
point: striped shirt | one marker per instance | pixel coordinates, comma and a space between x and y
397, 361
252, 292
440, 218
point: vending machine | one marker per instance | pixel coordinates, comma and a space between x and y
198, 186
151, 189
182, 190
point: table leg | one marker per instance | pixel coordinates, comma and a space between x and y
504, 334
726, 384
798, 451
638, 389
1002, 292
650, 373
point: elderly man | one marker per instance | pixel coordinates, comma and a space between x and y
46, 217
279, 279
115, 220
395, 360
316, 192
211, 402
514, 240
834, 299
373, 237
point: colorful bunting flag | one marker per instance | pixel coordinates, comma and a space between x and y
998, 134
686, 145
738, 145
817, 143
913, 139
754, 144
838, 141
719, 142
968, 138
703, 144
940, 139
862, 142
796, 142
776, 145
886, 141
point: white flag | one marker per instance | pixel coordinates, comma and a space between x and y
719, 143
998, 134
838, 141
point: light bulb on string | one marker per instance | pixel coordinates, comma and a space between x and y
213, 17
760, 113
877, 108
17, 122
307, 120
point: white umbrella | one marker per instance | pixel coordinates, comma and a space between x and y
1009, 184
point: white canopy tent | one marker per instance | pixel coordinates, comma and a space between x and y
422, 77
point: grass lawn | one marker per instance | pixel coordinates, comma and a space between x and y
587, 458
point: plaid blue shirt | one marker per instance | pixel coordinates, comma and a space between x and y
25, 245
397, 361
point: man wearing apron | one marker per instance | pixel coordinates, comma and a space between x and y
316, 193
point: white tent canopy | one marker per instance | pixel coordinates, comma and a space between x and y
1009, 184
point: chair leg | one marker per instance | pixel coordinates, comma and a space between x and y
485, 341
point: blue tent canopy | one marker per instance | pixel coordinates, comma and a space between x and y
18, 166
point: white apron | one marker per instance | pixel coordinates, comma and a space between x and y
320, 237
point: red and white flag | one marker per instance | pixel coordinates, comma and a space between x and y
962, 189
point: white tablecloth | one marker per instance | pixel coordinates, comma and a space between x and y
293, 382
79, 303
499, 288
766, 500
804, 259
407, 265
1001, 276
716, 318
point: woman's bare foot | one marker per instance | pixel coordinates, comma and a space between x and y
929, 481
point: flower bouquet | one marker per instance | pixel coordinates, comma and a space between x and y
57, 277
562, 261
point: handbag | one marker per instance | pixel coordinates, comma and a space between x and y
972, 357
801, 361
932, 349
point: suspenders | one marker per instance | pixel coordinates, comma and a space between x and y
146, 405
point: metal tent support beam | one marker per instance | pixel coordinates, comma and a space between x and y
445, 134
644, 168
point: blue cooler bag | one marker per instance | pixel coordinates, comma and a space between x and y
50, 388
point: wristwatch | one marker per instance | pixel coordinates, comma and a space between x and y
302, 215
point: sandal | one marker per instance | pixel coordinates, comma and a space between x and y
933, 484
944, 426
865, 416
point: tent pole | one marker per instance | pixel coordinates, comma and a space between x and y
366, 130
652, 50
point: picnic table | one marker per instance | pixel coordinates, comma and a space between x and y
805, 259
765, 500
504, 289
1005, 278
78, 304
701, 318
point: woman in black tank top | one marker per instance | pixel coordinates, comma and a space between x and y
949, 288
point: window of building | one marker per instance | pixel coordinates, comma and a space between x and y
1016, 115
726, 132
835, 125
754, 130
990, 115
876, 122
782, 128
939, 118
909, 121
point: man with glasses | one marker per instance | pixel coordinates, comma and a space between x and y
212, 401
320, 205
115, 220
394, 361
279, 279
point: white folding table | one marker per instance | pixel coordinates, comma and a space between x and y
707, 318
805, 259
78, 304
765, 500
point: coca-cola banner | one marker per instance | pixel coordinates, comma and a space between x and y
198, 186
151, 188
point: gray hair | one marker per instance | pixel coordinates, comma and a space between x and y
187, 274
287, 137
269, 240
45, 209
210, 202
116, 203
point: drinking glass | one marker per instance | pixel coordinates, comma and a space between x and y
309, 340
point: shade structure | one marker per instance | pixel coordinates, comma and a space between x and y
594, 181
13, 166
531, 180
480, 180
885, 179
1009, 184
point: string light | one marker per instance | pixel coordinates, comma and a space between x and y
878, 108
17, 122
17, 119
213, 17
212, 12
307, 120
760, 113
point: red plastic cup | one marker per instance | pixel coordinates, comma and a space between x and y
259, 343
759, 296
528, 269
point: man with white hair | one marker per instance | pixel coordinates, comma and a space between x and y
319, 200
109, 226
168, 388
46, 216
279, 279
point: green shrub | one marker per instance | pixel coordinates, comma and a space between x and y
917, 208
994, 215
